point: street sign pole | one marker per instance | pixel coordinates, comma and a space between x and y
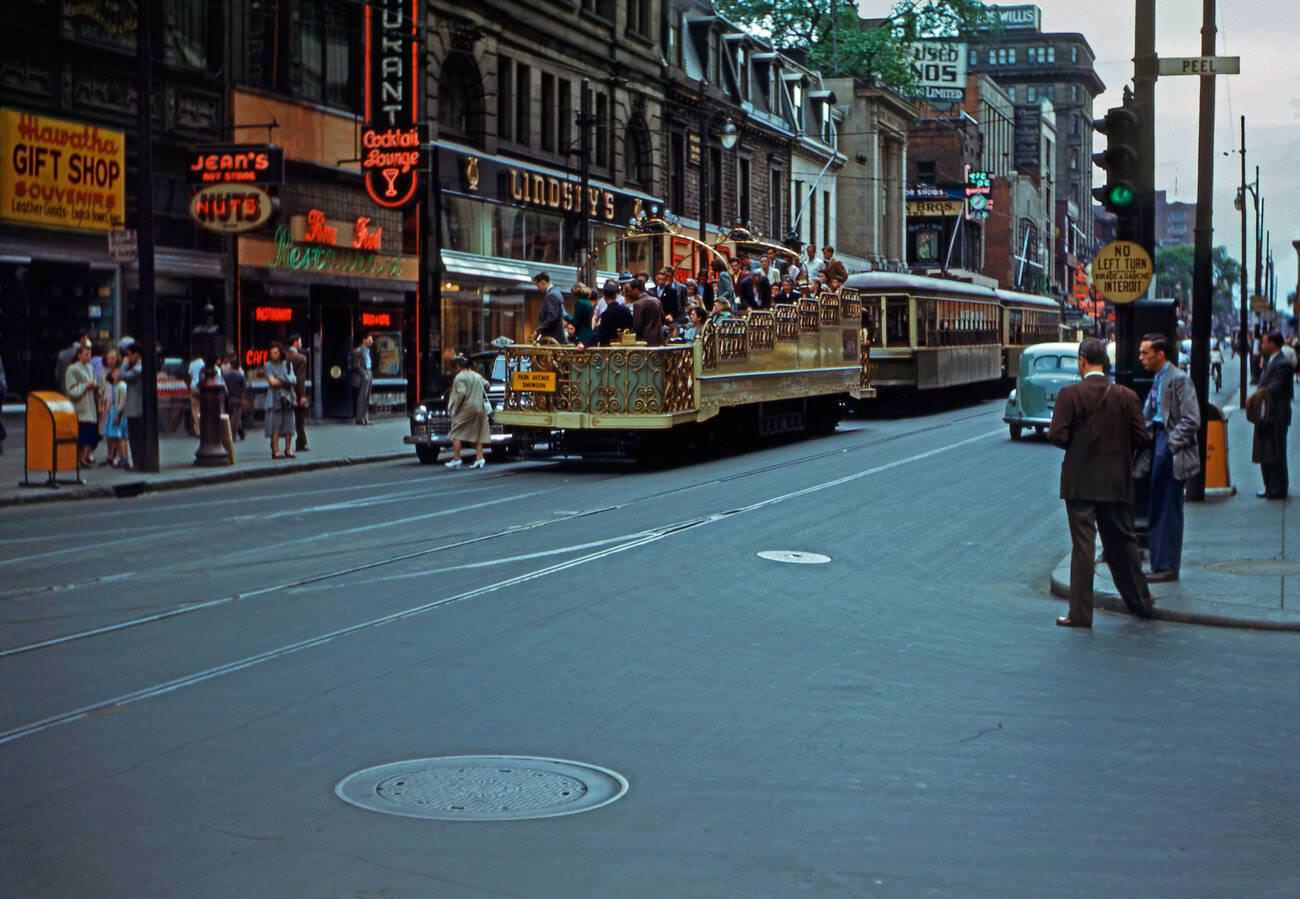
1202, 274
147, 335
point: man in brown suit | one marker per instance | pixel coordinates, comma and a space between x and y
1099, 424
298, 359
647, 314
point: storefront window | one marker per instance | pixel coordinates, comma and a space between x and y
604, 250
522, 234
471, 321
461, 223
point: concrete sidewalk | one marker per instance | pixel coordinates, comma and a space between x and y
332, 444
1241, 555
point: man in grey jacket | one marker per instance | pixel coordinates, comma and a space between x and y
550, 322
1174, 416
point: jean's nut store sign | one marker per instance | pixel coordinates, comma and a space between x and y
61, 174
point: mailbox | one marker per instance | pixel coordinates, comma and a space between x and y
51, 438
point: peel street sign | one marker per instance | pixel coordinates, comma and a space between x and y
1201, 65
1121, 271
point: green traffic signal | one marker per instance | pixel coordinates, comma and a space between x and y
1121, 196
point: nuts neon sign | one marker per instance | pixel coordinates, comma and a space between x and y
231, 208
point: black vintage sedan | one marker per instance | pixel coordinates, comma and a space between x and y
430, 423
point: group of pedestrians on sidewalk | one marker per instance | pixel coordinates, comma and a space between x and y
1111, 439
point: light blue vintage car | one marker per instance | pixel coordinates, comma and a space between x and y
1044, 369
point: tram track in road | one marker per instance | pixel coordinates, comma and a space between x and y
632, 542
449, 546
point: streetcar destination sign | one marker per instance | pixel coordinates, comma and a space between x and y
1201, 65
1121, 271
533, 381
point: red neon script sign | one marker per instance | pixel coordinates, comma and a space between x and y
376, 320
390, 140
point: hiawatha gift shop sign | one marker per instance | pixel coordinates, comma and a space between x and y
61, 174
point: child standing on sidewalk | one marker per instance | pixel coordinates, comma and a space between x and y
115, 422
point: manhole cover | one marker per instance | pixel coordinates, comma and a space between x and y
794, 557
482, 788
1259, 567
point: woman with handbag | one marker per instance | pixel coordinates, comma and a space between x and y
279, 401
467, 405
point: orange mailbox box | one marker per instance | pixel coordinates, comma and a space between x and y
51, 437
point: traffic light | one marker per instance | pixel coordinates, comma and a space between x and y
1121, 161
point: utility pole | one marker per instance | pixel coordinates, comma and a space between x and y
1202, 264
1244, 311
1259, 237
148, 319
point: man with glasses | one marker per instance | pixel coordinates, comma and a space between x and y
1173, 415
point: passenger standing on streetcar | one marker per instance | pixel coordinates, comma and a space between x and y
551, 321
647, 314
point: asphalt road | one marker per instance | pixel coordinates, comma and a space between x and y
185, 677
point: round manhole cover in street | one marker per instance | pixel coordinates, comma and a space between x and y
793, 557
482, 788
1258, 567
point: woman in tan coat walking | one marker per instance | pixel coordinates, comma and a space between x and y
467, 405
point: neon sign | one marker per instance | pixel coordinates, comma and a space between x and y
339, 260
231, 209
272, 314
242, 164
316, 228
376, 320
390, 139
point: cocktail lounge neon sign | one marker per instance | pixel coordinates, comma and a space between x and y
390, 140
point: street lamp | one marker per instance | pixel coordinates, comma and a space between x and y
729, 134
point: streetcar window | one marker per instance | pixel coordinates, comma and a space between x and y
896, 321
870, 319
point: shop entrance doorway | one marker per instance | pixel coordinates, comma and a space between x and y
335, 349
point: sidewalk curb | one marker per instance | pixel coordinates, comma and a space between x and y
136, 488
1112, 602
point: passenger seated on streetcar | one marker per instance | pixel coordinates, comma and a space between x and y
721, 309
696, 317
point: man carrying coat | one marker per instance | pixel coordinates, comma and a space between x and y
1269, 407
1174, 416
1099, 424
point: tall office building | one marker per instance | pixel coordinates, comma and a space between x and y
1060, 66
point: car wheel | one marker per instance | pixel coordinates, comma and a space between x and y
428, 454
1015, 432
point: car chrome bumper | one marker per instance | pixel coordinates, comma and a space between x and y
445, 440
1027, 422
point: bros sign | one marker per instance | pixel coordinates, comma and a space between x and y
390, 139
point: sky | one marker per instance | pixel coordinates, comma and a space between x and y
1262, 33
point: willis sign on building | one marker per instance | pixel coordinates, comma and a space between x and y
390, 140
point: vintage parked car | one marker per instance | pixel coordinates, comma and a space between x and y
1044, 369
430, 423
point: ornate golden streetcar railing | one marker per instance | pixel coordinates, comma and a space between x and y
808, 318
787, 321
829, 304
604, 380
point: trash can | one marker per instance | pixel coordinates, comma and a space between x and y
1218, 482
51, 439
